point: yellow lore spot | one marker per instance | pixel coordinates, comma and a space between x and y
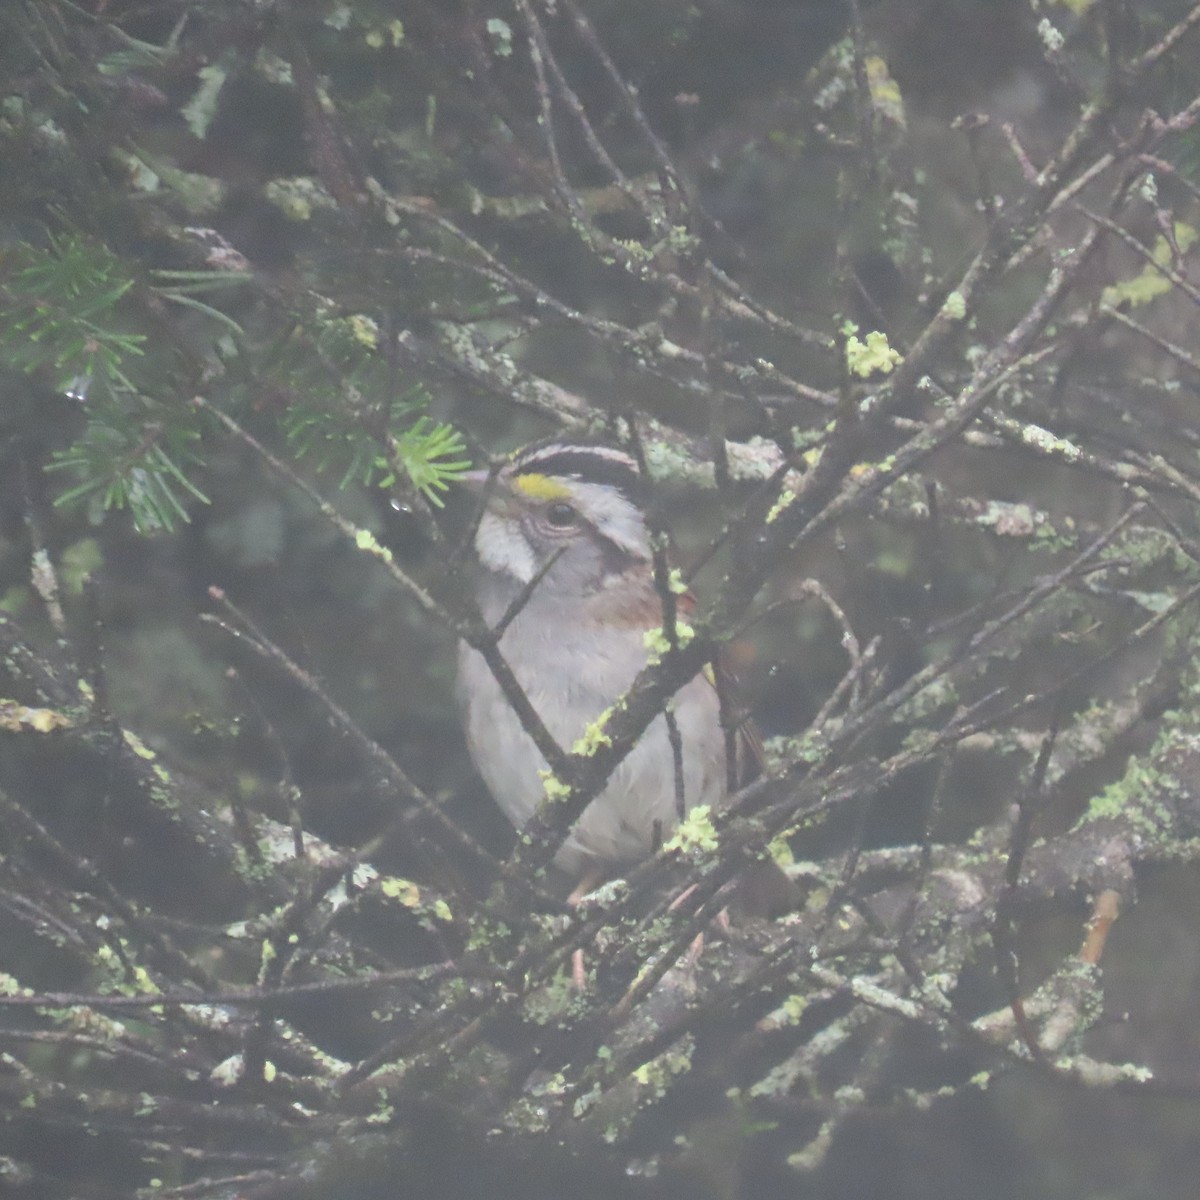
541, 487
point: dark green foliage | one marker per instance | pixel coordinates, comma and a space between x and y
72, 314
62, 313
916, 394
347, 411
67, 317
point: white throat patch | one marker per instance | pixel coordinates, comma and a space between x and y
502, 548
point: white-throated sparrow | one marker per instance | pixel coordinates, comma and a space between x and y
575, 646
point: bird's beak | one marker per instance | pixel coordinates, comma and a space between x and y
485, 485
476, 481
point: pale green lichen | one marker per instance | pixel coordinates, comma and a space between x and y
10, 986
15, 717
407, 893
298, 198
810, 747
363, 875
1051, 35
885, 93
1104, 1074
377, 38
1049, 443
955, 306
484, 932
1135, 798
1007, 519
815, 1152
680, 240
667, 461
228, 1072
198, 194
790, 1011
273, 68
121, 974
658, 1072
864, 358
637, 252
786, 497
556, 1004
500, 31
403, 890
87, 1020
658, 644
780, 852
695, 834
871, 993
1151, 282
365, 330
553, 788
587, 1101
364, 539
383, 1111
594, 736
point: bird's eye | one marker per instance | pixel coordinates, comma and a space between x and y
561, 515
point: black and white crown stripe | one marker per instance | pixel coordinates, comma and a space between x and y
603, 481
600, 464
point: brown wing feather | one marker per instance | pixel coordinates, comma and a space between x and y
750, 759
763, 890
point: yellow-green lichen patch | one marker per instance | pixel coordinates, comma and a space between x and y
1136, 800
873, 355
407, 893
955, 306
553, 788
390, 34
404, 890
298, 198
1051, 35
16, 717
1105, 1074
658, 644
1049, 443
791, 1010
886, 97
364, 330
785, 498
139, 747
364, 539
695, 835
1151, 282
557, 1004
657, 1074
11, 986
228, 1072
594, 736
